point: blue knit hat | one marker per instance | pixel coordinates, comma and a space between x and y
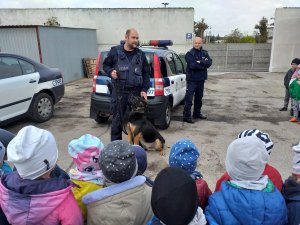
141, 158
184, 154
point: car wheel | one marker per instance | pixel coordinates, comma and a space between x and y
166, 117
42, 108
101, 119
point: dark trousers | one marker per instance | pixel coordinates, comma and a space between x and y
194, 90
117, 119
286, 98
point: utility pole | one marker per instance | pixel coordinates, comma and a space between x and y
165, 4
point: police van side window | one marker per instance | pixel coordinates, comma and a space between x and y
26, 67
9, 67
149, 57
100, 70
171, 63
179, 65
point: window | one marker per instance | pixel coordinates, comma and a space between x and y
9, 67
178, 63
26, 67
149, 57
171, 63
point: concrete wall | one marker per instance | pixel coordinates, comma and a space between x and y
286, 39
111, 24
239, 57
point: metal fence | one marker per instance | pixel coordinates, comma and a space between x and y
239, 57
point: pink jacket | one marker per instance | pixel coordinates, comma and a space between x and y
50, 208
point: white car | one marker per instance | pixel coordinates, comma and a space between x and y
27, 88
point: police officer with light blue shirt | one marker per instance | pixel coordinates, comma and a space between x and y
198, 61
129, 69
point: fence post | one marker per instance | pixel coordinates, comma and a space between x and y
253, 49
226, 57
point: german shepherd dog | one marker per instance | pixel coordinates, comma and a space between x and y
142, 132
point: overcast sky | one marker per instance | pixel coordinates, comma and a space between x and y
222, 15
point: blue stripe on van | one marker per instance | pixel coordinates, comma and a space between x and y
102, 80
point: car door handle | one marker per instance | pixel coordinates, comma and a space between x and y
181, 79
32, 81
172, 82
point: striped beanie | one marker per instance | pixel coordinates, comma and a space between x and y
264, 137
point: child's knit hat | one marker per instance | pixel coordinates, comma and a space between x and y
174, 197
85, 152
296, 160
296, 61
33, 151
141, 158
246, 159
118, 161
264, 137
184, 154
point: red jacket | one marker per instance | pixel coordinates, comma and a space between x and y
272, 173
203, 192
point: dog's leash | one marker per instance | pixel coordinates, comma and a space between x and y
119, 105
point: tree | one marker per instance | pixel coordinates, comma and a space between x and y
199, 28
234, 37
248, 39
52, 21
262, 35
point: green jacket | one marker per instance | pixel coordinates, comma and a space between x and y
294, 90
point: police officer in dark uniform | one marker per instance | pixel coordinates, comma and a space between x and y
198, 61
129, 69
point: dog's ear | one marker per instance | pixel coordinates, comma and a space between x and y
138, 104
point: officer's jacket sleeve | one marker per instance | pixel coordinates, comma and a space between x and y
146, 74
110, 61
192, 63
207, 61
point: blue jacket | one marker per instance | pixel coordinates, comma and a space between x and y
291, 193
197, 63
235, 206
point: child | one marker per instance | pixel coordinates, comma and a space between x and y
85, 152
125, 199
294, 90
248, 197
295, 62
291, 190
29, 195
174, 199
184, 154
141, 158
272, 173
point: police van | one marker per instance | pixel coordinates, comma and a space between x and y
28, 88
167, 88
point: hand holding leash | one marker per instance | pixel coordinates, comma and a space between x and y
144, 95
114, 74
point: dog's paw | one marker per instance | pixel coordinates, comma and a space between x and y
162, 153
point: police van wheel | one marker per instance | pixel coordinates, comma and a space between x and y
101, 119
166, 118
42, 108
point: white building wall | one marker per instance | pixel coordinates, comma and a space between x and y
286, 39
111, 24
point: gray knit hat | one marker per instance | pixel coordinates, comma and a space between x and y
296, 160
246, 159
118, 161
